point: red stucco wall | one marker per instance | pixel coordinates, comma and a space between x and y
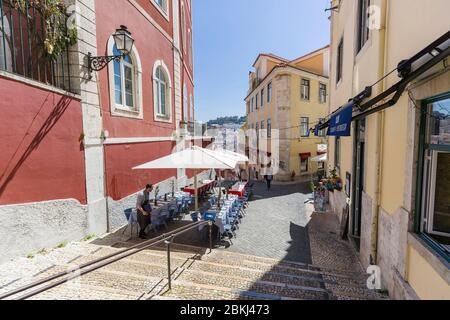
152, 45
120, 159
41, 157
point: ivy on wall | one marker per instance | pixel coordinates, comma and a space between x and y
57, 36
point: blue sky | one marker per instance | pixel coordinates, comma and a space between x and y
228, 36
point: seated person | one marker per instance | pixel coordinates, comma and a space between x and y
144, 210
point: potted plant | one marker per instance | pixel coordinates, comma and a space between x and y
334, 182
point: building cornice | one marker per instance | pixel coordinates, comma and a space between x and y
285, 67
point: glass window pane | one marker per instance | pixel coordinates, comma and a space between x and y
163, 99
440, 122
118, 95
441, 219
117, 82
128, 85
129, 100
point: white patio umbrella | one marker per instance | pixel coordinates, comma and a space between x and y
193, 158
320, 158
240, 158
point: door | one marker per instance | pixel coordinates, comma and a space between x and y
359, 156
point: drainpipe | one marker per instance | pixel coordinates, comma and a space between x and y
376, 204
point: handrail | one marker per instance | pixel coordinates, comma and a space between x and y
104, 261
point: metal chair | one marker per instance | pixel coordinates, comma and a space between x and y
157, 221
128, 213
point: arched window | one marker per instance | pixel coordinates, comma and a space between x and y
162, 92
185, 103
125, 77
5, 38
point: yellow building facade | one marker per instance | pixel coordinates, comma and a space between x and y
285, 99
396, 163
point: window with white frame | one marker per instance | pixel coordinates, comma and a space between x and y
257, 101
339, 60
322, 132
363, 23
305, 89
262, 97
304, 126
269, 92
185, 104
322, 93
269, 128
124, 82
433, 197
304, 165
161, 90
253, 104
262, 129
163, 5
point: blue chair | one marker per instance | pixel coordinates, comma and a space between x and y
194, 216
158, 221
128, 213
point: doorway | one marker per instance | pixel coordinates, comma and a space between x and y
358, 180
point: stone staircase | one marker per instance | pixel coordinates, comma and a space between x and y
196, 275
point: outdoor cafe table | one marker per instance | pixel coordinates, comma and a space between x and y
159, 211
204, 186
223, 216
238, 189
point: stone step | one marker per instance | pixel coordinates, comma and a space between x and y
312, 280
264, 267
236, 257
258, 286
184, 290
342, 292
71, 291
121, 280
297, 277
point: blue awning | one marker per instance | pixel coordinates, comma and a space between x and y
340, 123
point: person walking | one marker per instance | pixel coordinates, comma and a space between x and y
268, 179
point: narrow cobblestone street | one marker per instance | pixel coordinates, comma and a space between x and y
282, 251
274, 226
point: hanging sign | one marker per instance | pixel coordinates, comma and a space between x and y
340, 123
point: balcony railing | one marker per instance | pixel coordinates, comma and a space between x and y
22, 38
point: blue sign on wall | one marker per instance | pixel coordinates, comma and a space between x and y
340, 123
